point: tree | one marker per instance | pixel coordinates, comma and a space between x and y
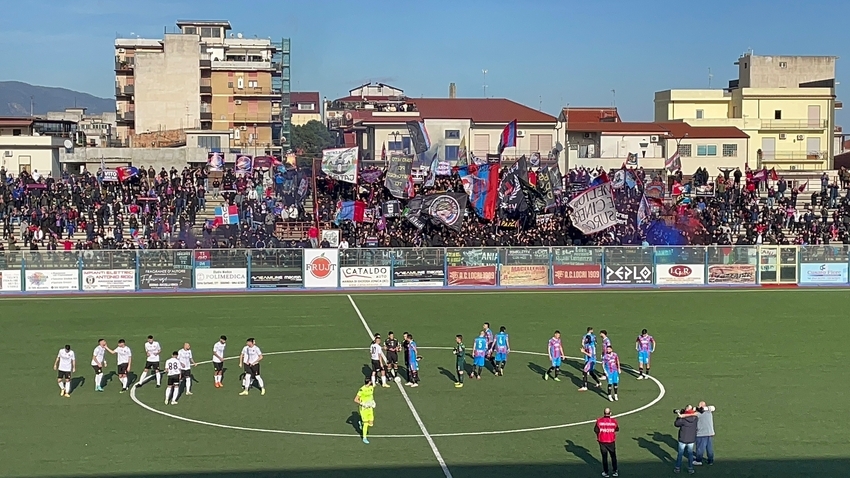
312, 137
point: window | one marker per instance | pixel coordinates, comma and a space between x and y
236, 134
210, 32
783, 64
700, 114
253, 84
240, 83
190, 30
707, 150
230, 84
306, 107
777, 114
685, 150
452, 134
451, 153
209, 142
730, 150
16, 132
394, 145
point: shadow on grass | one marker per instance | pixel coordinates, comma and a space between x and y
77, 382
446, 373
582, 453
354, 421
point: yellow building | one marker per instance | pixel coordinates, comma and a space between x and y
786, 105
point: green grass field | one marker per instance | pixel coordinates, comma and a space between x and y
773, 362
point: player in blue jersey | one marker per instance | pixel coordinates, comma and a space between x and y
606, 342
645, 346
611, 365
502, 347
479, 354
590, 335
413, 362
589, 363
556, 355
491, 345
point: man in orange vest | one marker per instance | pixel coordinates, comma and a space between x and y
606, 429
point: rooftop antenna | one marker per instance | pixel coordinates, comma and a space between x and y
710, 76
614, 98
540, 106
32, 103
485, 82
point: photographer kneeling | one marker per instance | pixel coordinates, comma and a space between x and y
686, 422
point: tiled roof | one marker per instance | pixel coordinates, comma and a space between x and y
673, 129
591, 114
478, 110
304, 97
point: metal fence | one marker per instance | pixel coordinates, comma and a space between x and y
231, 269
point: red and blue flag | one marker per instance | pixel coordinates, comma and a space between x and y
508, 137
126, 172
226, 215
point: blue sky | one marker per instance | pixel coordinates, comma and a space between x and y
537, 52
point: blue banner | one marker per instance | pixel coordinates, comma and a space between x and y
824, 273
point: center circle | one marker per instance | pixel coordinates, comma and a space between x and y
661, 392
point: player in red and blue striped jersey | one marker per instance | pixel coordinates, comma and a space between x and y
589, 352
645, 346
491, 345
501, 347
606, 342
479, 354
611, 365
556, 355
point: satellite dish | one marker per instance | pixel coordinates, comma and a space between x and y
68, 144
238, 35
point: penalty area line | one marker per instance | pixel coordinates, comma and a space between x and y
416, 416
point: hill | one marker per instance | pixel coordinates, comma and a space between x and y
15, 99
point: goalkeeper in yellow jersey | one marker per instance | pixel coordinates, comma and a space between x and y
365, 398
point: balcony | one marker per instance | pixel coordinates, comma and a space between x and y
252, 118
206, 89
125, 65
793, 125
242, 65
256, 91
126, 117
124, 90
794, 156
205, 64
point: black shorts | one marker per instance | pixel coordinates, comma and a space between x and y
152, 366
173, 380
253, 370
97, 369
122, 368
185, 373
376, 366
392, 358
65, 375
218, 366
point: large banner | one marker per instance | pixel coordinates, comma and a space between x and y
340, 164
109, 279
154, 278
321, 268
472, 266
52, 280
110, 176
275, 278
740, 274
10, 281
594, 209
365, 276
472, 275
220, 278
418, 276
524, 275
578, 274
397, 179
244, 164
633, 274
679, 274
824, 273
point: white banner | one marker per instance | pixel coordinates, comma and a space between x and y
10, 281
321, 268
367, 276
594, 210
332, 236
109, 279
110, 175
679, 274
340, 164
53, 279
221, 278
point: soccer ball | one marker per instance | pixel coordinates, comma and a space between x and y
398, 379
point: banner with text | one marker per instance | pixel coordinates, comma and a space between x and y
10, 281
275, 278
321, 268
679, 274
594, 210
52, 280
220, 278
367, 276
632, 274
583, 274
740, 274
153, 278
524, 275
109, 279
472, 275
418, 276
824, 273
341, 163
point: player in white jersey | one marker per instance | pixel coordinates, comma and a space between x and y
377, 356
218, 360
250, 359
174, 371
98, 362
66, 364
152, 351
125, 359
186, 364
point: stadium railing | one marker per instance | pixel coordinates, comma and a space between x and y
536, 267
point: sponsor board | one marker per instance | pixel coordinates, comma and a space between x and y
824, 273
10, 281
109, 279
679, 274
524, 275
587, 274
472, 275
366, 276
628, 274
731, 274
321, 268
274, 278
218, 278
151, 278
417, 276
52, 279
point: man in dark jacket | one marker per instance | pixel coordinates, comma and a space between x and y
686, 422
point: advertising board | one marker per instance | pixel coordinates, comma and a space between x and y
472, 275
153, 278
824, 273
679, 274
275, 278
633, 274
10, 281
365, 276
732, 274
109, 279
220, 278
586, 274
321, 268
418, 276
524, 275
52, 280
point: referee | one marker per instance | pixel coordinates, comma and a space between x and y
606, 429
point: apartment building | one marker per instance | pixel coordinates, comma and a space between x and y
785, 104
205, 77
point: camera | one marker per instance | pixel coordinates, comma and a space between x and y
682, 411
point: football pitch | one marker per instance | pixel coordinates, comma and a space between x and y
773, 362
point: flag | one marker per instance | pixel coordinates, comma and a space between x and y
602, 178
432, 172
481, 182
772, 174
545, 189
244, 164
673, 163
398, 179
126, 172
226, 215
594, 210
462, 158
215, 160
371, 175
418, 136
802, 187
341, 164
508, 137
413, 213
384, 152
445, 208
511, 197
350, 211
643, 211
761, 175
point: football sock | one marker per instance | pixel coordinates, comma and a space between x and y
647, 370
373, 378
557, 371
460, 377
595, 377
168, 394
551, 369
365, 430
124, 381
640, 370
158, 379
584, 379
383, 379
260, 381
61, 385
609, 389
98, 380
143, 377
68, 388
188, 384
615, 389
215, 378
502, 366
